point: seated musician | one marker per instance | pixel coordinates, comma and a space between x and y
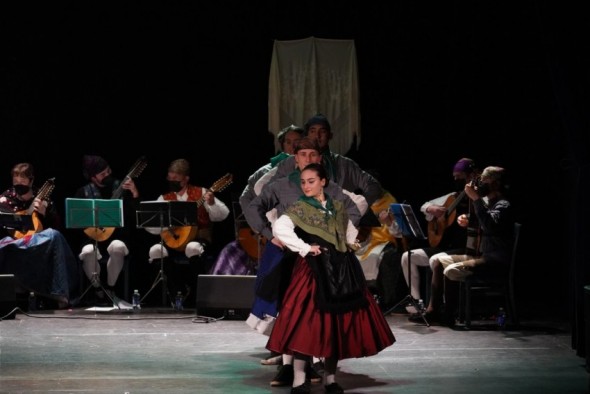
39, 257
189, 242
445, 236
112, 243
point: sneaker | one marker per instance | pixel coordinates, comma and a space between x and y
284, 377
122, 304
311, 374
334, 388
119, 303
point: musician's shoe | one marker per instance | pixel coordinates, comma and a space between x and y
100, 298
284, 377
121, 304
411, 309
434, 318
431, 317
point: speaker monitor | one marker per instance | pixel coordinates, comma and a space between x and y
7, 296
225, 291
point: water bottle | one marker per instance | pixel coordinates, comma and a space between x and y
501, 318
136, 300
178, 302
32, 302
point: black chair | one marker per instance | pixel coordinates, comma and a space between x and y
485, 287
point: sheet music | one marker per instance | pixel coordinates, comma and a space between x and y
407, 221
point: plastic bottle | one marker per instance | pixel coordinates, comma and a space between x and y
501, 318
136, 300
178, 303
32, 302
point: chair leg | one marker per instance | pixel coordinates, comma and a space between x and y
467, 305
462, 302
512, 306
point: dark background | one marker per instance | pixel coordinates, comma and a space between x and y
503, 83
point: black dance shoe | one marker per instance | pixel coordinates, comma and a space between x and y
334, 388
284, 377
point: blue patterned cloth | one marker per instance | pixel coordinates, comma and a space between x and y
42, 262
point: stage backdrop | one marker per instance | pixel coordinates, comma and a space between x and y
315, 75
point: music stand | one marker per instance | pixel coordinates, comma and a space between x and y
165, 215
97, 215
410, 228
16, 221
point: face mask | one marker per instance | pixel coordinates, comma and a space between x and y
174, 186
108, 181
21, 189
483, 189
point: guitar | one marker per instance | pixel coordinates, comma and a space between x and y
252, 243
437, 226
177, 237
43, 195
103, 233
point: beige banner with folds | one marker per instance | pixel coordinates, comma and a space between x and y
315, 75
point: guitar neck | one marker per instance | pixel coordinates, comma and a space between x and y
135, 171
42, 194
119, 190
451, 208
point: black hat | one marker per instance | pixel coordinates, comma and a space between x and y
317, 119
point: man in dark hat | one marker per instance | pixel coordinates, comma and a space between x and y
112, 242
341, 169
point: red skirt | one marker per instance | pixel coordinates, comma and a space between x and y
302, 328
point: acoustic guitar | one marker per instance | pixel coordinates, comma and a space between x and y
100, 234
177, 237
437, 226
43, 195
252, 243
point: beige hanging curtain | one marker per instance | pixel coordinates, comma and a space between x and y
315, 75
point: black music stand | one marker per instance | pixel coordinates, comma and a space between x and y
410, 228
16, 221
94, 214
165, 215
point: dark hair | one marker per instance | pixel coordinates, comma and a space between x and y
317, 119
23, 169
283, 133
319, 169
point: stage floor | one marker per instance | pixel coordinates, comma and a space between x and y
161, 351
